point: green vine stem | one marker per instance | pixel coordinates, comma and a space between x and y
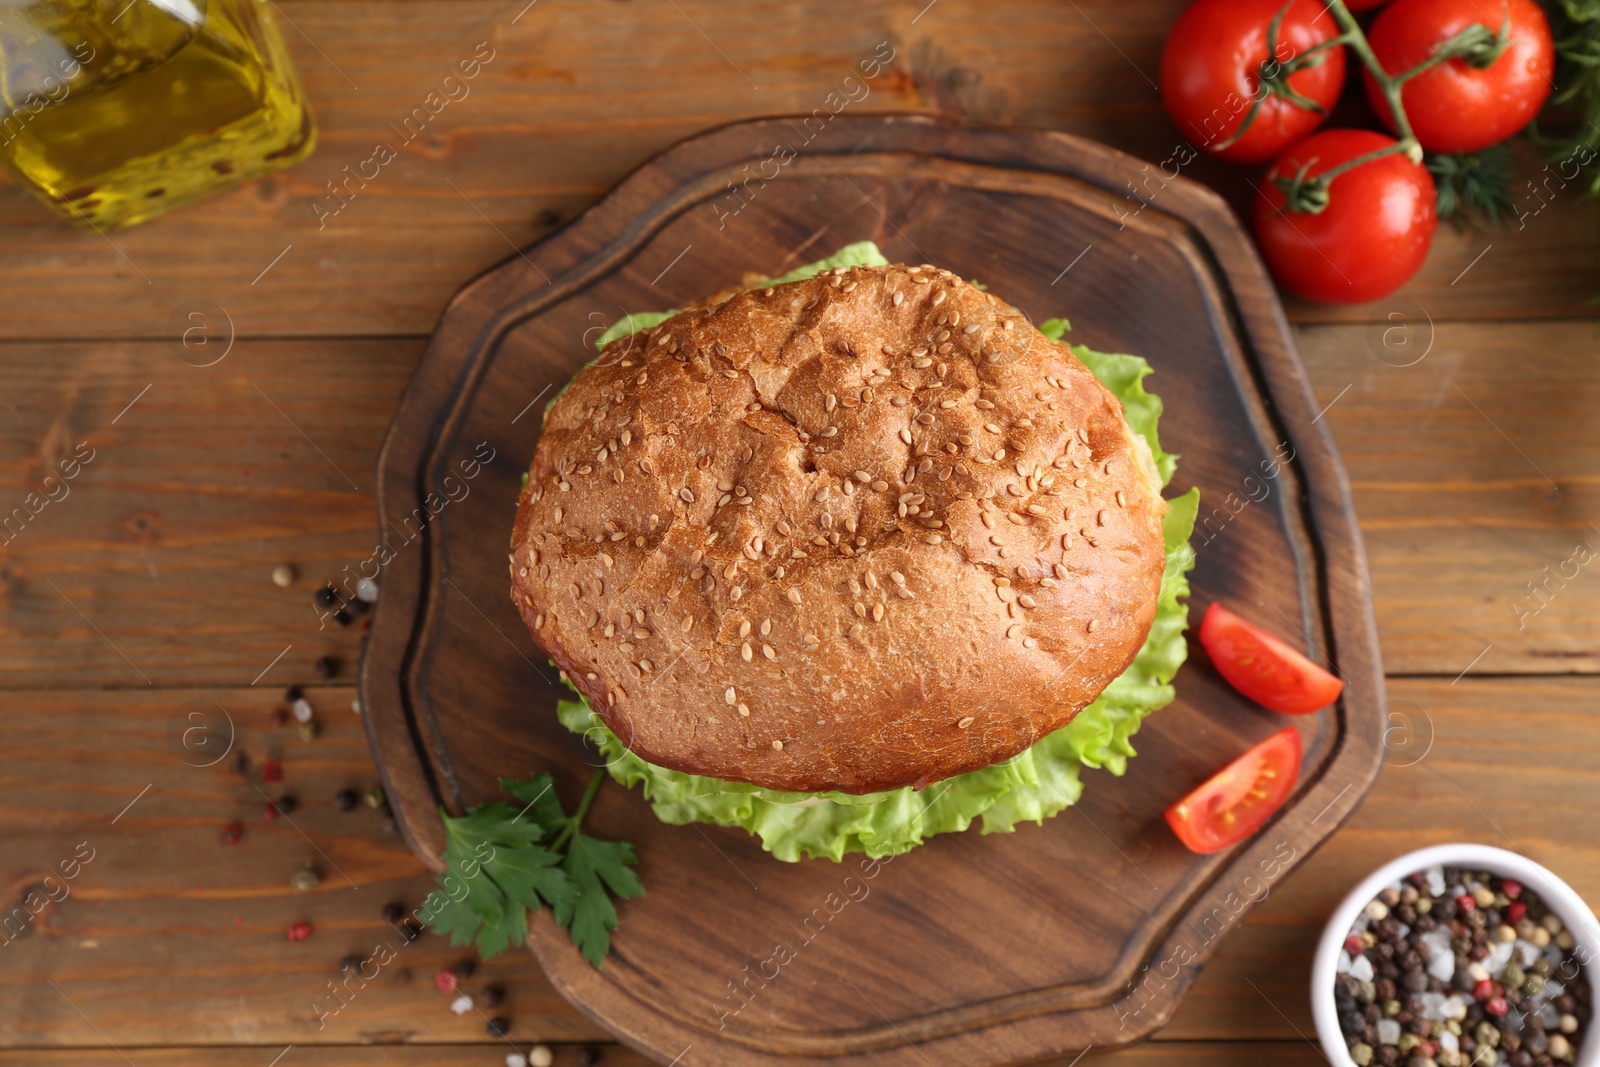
1477, 45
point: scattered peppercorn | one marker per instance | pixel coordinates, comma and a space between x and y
392, 913
305, 879
444, 982
374, 797
493, 996
241, 762
343, 617
231, 832
411, 930
280, 716
498, 1027
293, 693
283, 576
272, 771
327, 667
327, 596
346, 800
588, 1057
465, 969
307, 730
540, 1056
286, 804
299, 931
351, 963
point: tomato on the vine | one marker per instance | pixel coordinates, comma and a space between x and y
1461, 105
1218, 70
1373, 229
1364, 5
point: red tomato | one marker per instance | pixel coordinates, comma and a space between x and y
1263, 668
1364, 5
1372, 236
1211, 71
1455, 106
1233, 803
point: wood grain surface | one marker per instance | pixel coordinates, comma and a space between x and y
167, 538
450, 711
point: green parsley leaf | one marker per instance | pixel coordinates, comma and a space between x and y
594, 867
502, 862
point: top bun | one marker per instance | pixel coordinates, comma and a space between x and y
866, 530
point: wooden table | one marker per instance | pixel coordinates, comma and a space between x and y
137, 616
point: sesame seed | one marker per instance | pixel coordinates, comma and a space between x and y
744, 711
938, 298
933, 539
964, 723
1027, 601
925, 419
744, 629
948, 404
1093, 624
1028, 642
766, 627
745, 652
1013, 630
1100, 519
769, 652
905, 435
730, 696
686, 495
794, 597
863, 477
1035, 509
1122, 500
880, 486
1080, 482
898, 299
777, 746
923, 362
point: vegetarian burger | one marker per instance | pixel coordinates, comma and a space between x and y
828, 541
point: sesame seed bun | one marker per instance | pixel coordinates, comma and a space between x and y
866, 530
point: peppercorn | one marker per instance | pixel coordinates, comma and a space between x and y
299, 931
358, 606
492, 996
588, 1057
351, 963
465, 969
293, 693
283, 576
307, 730
270, 812
241, 762
343, 617
410, 930
444, 982
498, 1027
286, 804
373, 797
280, 716
327, 596
346, 800
393, 912
305, 879
540, 1056
231, 832
1361, 1053
327, 667
272, 771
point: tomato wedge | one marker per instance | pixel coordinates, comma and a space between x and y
1233, 803
1263, 668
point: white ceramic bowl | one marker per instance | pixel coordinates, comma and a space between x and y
1557, 895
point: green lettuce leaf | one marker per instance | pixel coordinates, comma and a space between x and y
1034, 785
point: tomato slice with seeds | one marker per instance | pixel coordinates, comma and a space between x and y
1233, 803
1263, 668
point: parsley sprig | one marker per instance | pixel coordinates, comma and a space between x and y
502, 862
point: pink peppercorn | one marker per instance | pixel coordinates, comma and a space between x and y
299, 931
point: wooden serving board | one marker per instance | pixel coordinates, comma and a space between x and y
971, 949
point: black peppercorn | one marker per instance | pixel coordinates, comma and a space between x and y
293, 693
588, 1057
350, 963
492, 997
393, 912
286, 804
346, 800
498, 1027
465, 969
327, 667
327, 596
343, 617
411, 930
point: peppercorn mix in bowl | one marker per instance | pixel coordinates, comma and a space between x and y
1458, 956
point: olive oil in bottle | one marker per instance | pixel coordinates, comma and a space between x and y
114, 111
